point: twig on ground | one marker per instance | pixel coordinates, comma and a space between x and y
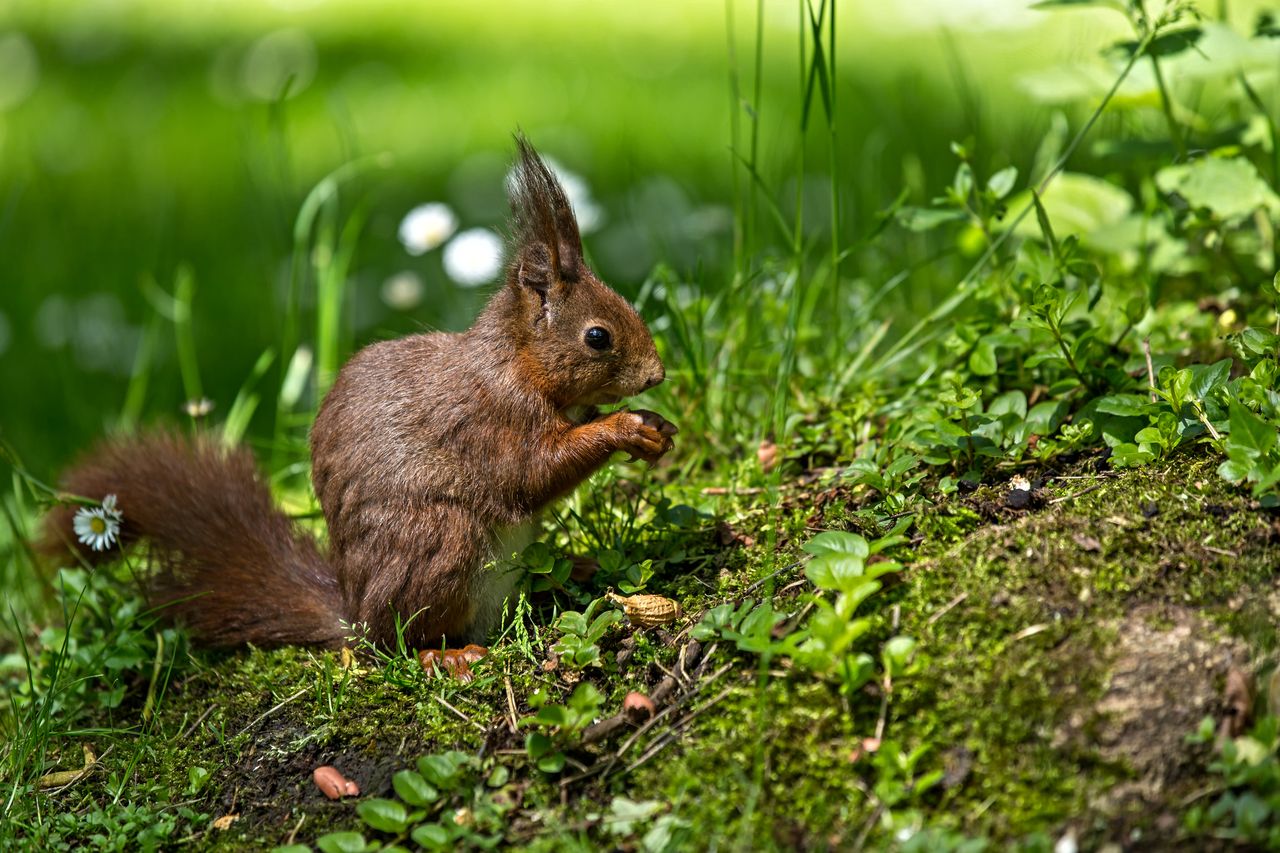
459, 714
946, 608
1074, 495
271, 711
61, 780
676, 727
200, 719
294, 833
873, 818
768, 578
511, 705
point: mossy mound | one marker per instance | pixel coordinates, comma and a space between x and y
1068, 642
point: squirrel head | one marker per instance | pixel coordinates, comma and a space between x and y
577, 340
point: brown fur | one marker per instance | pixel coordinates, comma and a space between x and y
424, 451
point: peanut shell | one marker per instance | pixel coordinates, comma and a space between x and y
647, 611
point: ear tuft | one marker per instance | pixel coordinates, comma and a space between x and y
544, 227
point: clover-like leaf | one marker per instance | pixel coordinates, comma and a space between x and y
384, 815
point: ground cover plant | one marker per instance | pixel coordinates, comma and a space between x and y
971, 527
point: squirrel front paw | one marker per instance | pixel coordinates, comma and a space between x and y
645, 435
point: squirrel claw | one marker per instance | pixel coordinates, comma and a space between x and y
455, 663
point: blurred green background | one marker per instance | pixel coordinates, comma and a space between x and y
141, 136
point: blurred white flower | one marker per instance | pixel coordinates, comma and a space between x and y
53, 322
474, 257
198, 408
427, 226
99, 526
402, 291
590, 215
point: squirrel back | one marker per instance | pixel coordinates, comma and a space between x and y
432, 456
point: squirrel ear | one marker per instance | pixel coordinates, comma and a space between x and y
548, 247
534, 272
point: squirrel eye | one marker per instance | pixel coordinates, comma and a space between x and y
598, 338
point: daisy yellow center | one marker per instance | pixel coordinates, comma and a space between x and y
98, 525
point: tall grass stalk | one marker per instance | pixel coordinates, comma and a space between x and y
322, 253
184, 292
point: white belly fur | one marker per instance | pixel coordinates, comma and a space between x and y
493, 590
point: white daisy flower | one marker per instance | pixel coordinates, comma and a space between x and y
474, 257
427, 226
99, 526
403, 291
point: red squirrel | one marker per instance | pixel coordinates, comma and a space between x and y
432, 456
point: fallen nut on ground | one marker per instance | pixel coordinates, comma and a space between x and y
638, 707
333, 784
646, 611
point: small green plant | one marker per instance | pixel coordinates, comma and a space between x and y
556, 726
119, 828
1247, 811
577, 647
547, 571
446, 803
829, 644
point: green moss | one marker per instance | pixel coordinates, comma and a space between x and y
1016, 613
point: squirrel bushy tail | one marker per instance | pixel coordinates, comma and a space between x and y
229, 565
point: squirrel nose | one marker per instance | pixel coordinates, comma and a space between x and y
655, 379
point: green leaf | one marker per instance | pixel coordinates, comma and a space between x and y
538, 557
442, 769
1124, 405
432, 836
552, 715
1169, 44
1127, 455
1010, 402
342, 842
1228, 187
601, 624
196, 778
926, 218
586, 698
572, 622
1001, 183
536, 743
838, 543
1117, 5
1260, 341
835, 571
552, 762
384, 815
413, 789
1249, 433
982, 361
857, 671
1074, 204
897, 653
1205, 378
624, 814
